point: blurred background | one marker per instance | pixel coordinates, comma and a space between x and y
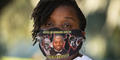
102, 32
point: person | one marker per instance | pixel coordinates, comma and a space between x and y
58, 46
62, 14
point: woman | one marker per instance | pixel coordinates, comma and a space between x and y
60, 15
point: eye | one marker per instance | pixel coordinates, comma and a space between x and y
67, 26
49, 24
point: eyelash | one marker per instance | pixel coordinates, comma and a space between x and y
66, 25
49, 24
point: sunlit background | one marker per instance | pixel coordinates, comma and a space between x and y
102, 32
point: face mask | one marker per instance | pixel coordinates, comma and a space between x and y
56, 44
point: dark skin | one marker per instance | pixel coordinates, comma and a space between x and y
65, 18
58, 43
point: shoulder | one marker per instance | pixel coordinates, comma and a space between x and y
84, 57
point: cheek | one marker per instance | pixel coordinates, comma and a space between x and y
75, 26
61, 43
54, 44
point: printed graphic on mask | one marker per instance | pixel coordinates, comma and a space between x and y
59, 44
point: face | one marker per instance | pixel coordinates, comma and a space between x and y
63, 17
58, 42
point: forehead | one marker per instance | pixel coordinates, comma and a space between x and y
63, 11
58, 38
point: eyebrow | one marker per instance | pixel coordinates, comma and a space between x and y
70, 18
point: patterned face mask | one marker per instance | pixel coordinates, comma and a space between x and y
56, 44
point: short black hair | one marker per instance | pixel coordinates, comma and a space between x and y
44, 9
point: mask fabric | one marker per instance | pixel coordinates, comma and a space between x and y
56, 44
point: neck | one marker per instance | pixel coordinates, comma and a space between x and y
69, 58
